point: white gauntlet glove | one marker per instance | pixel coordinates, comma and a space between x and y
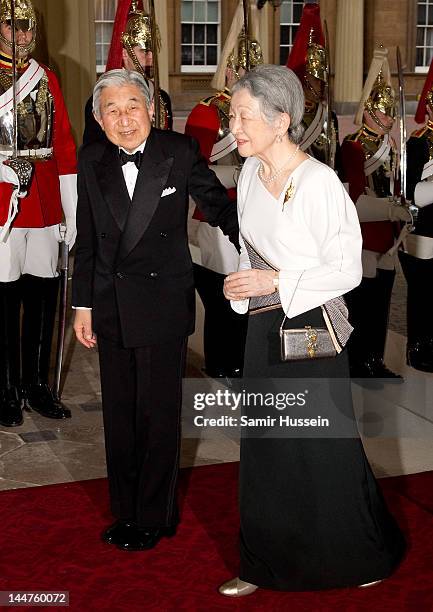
397, 212
423, 194
68, 192
371, 208
7, 174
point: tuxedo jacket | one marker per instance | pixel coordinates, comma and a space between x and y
132, 262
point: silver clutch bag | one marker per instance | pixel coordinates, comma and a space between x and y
305, 343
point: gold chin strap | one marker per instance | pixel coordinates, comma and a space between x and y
318, 96
370, 110
138, 67
316, 61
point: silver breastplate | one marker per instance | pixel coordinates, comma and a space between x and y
35, 118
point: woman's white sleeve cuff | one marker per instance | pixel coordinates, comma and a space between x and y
240, 306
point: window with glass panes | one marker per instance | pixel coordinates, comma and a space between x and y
424, 35
200, 35
290, 17
105, 11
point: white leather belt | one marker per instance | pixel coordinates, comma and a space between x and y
32, 153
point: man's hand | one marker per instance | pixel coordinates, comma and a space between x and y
249, 283
83, 328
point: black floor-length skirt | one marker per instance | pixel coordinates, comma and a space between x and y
312, 515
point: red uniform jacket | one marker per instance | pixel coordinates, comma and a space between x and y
378, 236
203, 124
42, 206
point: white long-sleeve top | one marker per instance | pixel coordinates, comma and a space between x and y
314, 240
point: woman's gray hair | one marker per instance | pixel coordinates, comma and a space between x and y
278, 90
119, 78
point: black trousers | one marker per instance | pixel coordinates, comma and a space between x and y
418, 274
141, 400
225, 330
369, 313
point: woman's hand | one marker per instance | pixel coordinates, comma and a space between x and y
249, 283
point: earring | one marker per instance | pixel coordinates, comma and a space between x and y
279, 138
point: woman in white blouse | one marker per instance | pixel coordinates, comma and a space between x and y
312, 515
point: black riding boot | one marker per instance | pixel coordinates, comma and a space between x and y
369, 305
10, 401
419, 350
39, 297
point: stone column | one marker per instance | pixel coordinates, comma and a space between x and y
349, 45
161, 19
66, 42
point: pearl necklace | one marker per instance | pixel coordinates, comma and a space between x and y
278, 172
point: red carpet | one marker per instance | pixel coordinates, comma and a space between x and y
50, 541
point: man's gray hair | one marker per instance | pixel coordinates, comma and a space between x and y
119, 78
278, 90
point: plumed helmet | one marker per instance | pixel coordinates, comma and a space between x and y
233, 54
238, 57
377, 94
382, 97
25, 19
132, 27
138, 31
308, 56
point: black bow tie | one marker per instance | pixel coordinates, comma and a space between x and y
126, 157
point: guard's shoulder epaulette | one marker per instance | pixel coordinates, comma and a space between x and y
420, 132
353, 137
207, 101
219, 95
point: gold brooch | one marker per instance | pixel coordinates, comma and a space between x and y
289, 193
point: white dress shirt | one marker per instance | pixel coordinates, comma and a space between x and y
130, 173
314, 240
130, 170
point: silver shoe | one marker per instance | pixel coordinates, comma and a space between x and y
369, 584
237, 588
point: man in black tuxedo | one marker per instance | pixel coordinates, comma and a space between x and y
133, 288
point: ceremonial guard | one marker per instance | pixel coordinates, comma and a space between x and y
369, 161
134, 45
224, 330
417, 257
30, 225
309, 59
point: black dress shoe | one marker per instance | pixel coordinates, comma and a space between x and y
227, 373
235, 373
11, 414
374, 368
145, 538
117, 532
380, 370
40, 398
214, 373
420, 356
